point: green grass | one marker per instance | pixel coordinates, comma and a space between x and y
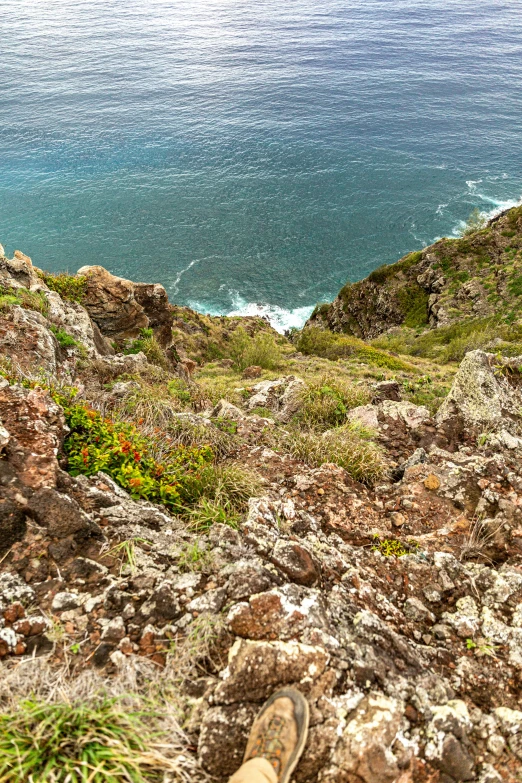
67, 286
348, 446
29, 300
326, 400
78, 743
314, 341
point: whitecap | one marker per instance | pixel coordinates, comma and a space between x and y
280, 318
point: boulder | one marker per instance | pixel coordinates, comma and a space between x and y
281, 396
26, 339
111, 303
121, 308
485, 396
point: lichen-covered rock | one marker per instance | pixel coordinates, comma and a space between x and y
483, 397
364, 749
281, 396
26, 339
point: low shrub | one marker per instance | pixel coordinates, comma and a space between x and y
261, 350
325, 401
68, 286
348, 446
117, 448
146, 343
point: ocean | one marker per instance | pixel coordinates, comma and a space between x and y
253, 155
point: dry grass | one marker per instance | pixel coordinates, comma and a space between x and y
326, 400
348, 446
56, 729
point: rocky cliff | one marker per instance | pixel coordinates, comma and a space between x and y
478, 276
189, 506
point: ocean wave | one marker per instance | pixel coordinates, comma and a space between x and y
280, 318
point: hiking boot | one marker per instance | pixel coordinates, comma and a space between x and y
279, 732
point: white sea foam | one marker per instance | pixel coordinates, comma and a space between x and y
497, 206
176, 281
280, 318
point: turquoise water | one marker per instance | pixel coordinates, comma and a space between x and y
251, 155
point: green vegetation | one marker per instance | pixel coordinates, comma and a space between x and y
29, 300
320, 342
117, 448
68, 286
414, 302
391, 547
65, 340
125, 552
146, 343
261, 350
79, 743
348, 446
326, 400
451, 343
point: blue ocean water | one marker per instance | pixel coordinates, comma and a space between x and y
253, 155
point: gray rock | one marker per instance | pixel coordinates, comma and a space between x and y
65, 601
482, 397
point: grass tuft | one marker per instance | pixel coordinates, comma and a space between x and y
326, 400
79, 743
348, 446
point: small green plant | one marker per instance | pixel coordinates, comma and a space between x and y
193, 557
78, 743
261, 350
482, 647
125, 551
67, 286
146, 343
65, 340
391, 547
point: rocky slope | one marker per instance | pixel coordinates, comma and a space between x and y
388, 590
478, 276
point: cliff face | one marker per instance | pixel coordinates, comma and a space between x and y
475, 277
189, 507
